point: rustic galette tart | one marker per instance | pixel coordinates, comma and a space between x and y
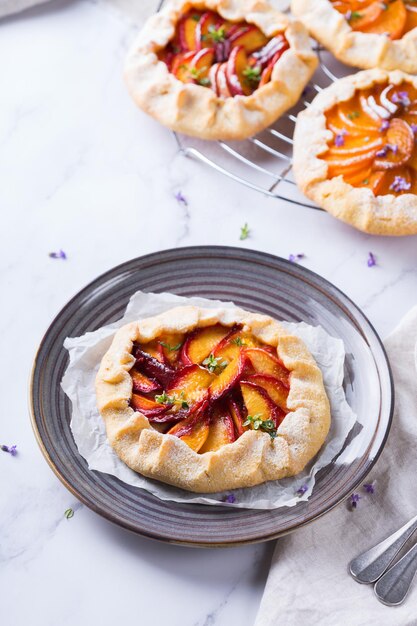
355, 151
212, 399
219, 69
364, 33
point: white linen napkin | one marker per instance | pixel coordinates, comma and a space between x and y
309, 583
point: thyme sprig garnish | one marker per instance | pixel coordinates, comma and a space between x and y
218, 35
244, 231
212, 363
252, 74
170, 348
268, 426
69, 513
181, 401
239, 342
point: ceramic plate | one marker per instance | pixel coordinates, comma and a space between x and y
257, 282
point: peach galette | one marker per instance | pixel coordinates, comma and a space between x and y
217, 69
355, 151
364, 33
212, 399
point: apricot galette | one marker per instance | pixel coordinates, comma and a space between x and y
355, 151
212, 399
364, 33
217, 69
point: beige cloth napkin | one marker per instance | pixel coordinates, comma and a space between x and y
308, 583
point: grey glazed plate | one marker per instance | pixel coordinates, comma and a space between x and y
258, 282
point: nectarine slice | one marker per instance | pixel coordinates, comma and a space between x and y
221, 431
193, 432
265, 363
207, 20
237, 416
171, 344
143, 384
239, 85
250, 37
187, 28
148, 407
275, 389
151, 367
190, 384
201, 343
229, 377
259, 404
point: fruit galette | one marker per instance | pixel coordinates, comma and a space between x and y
212, 399
355, 151
364, 33
218, 69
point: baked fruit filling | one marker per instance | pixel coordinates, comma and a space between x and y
209, 386
390, 17
233, 59
375, 139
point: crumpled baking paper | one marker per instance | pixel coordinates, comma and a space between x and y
89, 433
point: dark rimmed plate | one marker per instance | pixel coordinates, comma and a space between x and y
258, 282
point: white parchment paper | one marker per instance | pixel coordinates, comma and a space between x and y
89, 432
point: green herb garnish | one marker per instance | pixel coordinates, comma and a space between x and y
252, 74
164, 398
244, 232
239, 342
196, 75
212, 363
69, 513
365, 181
355, 15
218, 35
169, 347
195, 17
258, 423
353, 115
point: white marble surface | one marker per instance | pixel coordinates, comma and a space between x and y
81, 169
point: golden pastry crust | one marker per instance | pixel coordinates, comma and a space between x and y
358, 206
196, 110
253, 458
359, 49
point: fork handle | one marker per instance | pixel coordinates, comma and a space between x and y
393, 586
369, 566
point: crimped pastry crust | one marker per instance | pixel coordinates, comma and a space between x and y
253, 458
363, 50
378, 215
196, 110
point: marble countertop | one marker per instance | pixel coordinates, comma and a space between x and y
82, 170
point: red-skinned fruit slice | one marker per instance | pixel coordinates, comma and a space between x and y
258, 403
207, 20
153, 348
213, 77
277, 45
222, 83
148, 407
153, 368
237, 417
187, 29
275, 389
221, 430
201, 343
201, 63
143, 384
265, 363
194, 429
249, 37
170, 344
190, 383
181, 66
236, 65
229, 377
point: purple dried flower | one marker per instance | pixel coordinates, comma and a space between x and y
414, 128
301, 491
393, 147
401, 97
382, 152
339, 140
353, 500
400, 184
58, 255
230, 498
369, 487
180, 198
10, 449
385, 125
296, 257
371, 260
348, 16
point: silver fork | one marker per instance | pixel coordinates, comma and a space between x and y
369, 567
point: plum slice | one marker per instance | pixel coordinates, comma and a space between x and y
152, 367
143, 384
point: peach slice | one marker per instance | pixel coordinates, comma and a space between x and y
249, 37
366, 16
400, 136
229, 377
171, 344
187, 30
148, 407
201, 343
258, 403
347, 167
392, 20
353, 118
207, 20
237, 416
221, 431
237, 63
191, 384
181, 66
275, 389
200, 64
355, 146
265, 363
267, 72
152, 367
194, 429
143, 384
222, 84
411, 9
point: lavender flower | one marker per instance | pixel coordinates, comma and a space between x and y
371, 260
10, 449
296, 257
301, 491
385, 125
353, 500
339, 139
400, 184
230, 498
58, 255
401, 97
369, 487
414, 128
393, 147
348, 16
382, 152
180, 198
